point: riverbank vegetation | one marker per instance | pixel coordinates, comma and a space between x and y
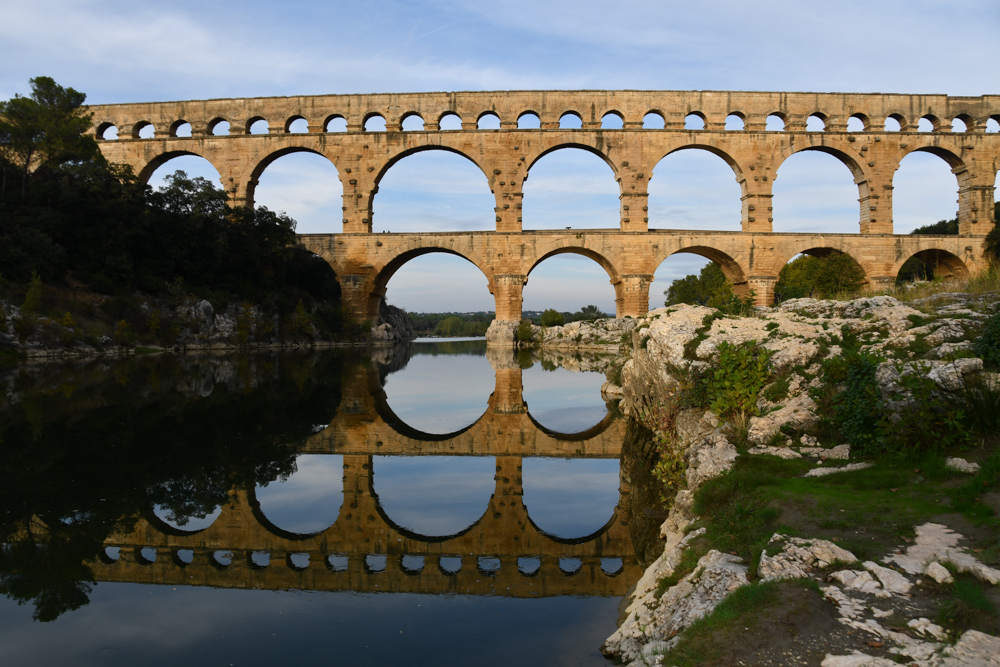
92, 254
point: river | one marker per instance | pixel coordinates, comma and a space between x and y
436, 503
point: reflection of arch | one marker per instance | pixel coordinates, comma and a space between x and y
161, 525
147, 171
535, 489
574, 540
385, 411
944, 264
592, 432
419, 536
730, 267
318, 512
267, 160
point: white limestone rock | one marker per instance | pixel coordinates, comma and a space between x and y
856, 659
860, 581
973, 649
935, 542
891, 580
938, 573
798, 411
798, 557
823, 472
925, 627
781, 452
709, 458
961, 465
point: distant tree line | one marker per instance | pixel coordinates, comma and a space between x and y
450, 325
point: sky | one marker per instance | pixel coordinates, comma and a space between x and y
118, 51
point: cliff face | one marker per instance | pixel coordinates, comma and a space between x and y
393, 325
931, 339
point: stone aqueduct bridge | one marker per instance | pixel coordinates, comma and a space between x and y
603, 563
630, 254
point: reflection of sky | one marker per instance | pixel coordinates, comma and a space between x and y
570, 498
309, 500
434, 495
441, 394
164, 625
563, 401
193, 523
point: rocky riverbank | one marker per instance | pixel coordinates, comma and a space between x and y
860, 601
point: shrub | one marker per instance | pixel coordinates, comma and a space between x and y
741, 372
552, 318
524, 332
858, 407
33, 298
987, 345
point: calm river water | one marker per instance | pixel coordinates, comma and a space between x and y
427, 505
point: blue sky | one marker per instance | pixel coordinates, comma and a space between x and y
119, 51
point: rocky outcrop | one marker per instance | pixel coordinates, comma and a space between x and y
606, 334
393, 326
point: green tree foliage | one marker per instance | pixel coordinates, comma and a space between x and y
741, 371
552, 318
43, 130
819, 277
524, 332
450, 325
701, 289
916, 268
993, 237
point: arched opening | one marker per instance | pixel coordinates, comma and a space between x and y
433, 190
441, 394
735, 122
194, 166
529, 120
143, 130
568, 281
563, 401
335, 124
612, 121
694, 189
374, 123
488, 121
992, 125
653, 121
930, 264
308, 500
814, 191
433, 496
924, 191
857, 123
438, 282
258, 126
570, 188
697, 276
816, 123
893, 123
191, 521
570, 120
959, 125
108, 132
774, 123
181, 128
694, 121
927, 124
219, 128
307, 187
570, 498
819, 273
413, 123
450, 121
297, 125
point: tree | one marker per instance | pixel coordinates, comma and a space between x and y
819, 277
711, 284
44, 129
591, 313
552, 318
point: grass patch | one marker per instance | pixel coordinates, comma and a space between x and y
967, 607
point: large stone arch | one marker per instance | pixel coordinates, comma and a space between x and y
735, 273
863, 178
262, 163
726, 156
831, 244
572, 144
383, 270
615, 275
145, 172
945, 263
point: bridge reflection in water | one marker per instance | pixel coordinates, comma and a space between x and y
502, 553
